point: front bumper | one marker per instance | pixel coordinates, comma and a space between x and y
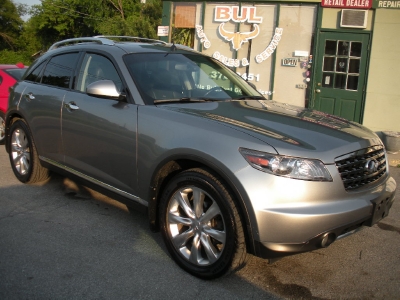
294, 216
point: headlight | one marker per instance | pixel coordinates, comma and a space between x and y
286, 166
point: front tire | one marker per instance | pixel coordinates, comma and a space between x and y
201, 226
23, 155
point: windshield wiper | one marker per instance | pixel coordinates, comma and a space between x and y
250, 98
181, 100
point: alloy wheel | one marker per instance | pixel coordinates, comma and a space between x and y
20, 151
196, 226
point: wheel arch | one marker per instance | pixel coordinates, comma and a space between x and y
169, 168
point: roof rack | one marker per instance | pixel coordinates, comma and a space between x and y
135, 38
102, 40
98, 40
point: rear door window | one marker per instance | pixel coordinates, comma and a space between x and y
60, 70
34, 75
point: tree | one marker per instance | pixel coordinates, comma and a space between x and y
10, 24
141, 21
55, 20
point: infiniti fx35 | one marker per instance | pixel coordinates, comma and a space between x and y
220, 170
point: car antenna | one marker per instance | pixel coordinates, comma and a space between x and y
173, 48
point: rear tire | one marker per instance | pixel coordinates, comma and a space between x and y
2, 127
201, 225
23, 155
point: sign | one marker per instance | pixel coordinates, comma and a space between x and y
386, 4
202, 36
289, 62
227, 13
301, 53
163, 30
362, 4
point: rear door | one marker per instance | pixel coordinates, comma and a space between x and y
99, 135
44, 90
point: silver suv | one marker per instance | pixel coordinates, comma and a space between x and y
221, 170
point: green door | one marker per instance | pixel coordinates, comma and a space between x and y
340, 74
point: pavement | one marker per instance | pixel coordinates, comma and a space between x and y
394, 159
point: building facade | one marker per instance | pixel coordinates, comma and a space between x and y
336, 56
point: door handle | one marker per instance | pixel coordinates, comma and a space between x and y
318, 91
29, 97
72, 106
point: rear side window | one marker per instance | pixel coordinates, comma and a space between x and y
15, 73
34, 75
59, 70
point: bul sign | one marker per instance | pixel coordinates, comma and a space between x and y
224, 14
227, 13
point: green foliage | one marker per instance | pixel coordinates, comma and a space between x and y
55, 20
183, 36
12, 57
143, 22
10, 24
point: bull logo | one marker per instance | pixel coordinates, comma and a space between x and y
238, 38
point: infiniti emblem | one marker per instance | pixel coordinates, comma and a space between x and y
371, 166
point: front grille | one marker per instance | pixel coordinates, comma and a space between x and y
362, 167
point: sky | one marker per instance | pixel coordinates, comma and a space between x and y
29, 2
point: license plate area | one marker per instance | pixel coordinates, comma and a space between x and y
381, 209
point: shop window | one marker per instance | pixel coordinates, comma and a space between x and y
184, 23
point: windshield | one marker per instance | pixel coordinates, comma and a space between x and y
174, 76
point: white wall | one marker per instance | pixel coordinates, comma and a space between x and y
382, 105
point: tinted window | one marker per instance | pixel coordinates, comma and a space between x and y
94, 68
59, 70
34, 75
15, 73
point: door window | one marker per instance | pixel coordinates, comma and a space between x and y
59, 70
341, 65
35, 74
94, 68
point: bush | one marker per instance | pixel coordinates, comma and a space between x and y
13, 57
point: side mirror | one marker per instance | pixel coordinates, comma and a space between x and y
104, 89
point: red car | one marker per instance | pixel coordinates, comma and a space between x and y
9, 75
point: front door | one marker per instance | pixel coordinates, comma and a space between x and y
339, 82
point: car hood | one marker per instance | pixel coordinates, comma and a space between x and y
291, 130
